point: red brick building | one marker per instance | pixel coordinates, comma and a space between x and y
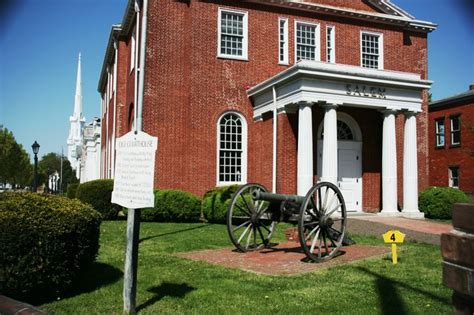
451, 134
238, 91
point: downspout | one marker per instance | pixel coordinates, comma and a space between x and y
275, 122
137, 42
139, 124
107, 140
115, 107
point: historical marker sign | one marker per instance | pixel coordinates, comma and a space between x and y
134, 170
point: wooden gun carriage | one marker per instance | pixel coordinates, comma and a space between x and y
253, 214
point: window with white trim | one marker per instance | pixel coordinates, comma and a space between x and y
232, 149
306, 41
439, 130
455, 130
453, 176
330, 44
371, 50
132, 51
232, 34
283, 41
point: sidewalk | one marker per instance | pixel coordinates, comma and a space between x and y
418, 230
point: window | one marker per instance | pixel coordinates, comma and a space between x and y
232, 149
439, 130
453, 176
330, 46
344, 132
232, 33
455, 130
132, 51
283, 41
306, 39
372, 50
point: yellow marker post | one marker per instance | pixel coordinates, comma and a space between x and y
394, 237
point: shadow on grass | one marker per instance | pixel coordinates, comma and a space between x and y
171, 233
391, 301
166, 289
95, 277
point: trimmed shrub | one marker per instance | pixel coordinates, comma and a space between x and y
98, 194
216, 201
71, 190
173, 206
437, 202
45, 241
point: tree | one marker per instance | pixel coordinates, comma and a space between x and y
15, 166
51, 163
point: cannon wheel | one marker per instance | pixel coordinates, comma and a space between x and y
249, 224
322, 222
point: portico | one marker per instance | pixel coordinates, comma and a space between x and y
332, 89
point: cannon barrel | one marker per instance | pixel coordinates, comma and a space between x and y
261, 195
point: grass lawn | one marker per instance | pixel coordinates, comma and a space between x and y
172, 285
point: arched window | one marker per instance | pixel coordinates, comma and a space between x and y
232, 149
344, 132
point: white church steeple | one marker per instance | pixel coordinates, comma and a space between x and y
77, 120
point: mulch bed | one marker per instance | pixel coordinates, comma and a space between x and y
283, 259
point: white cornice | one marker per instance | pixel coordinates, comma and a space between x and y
398, 17
340, 72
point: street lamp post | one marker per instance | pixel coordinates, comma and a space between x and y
35, 147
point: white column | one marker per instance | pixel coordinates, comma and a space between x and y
329, 164
305, 149
410, 169
389, 165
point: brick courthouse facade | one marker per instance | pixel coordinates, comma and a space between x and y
239, 91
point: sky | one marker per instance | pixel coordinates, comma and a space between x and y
40, 41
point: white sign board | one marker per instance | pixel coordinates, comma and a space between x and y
135, 170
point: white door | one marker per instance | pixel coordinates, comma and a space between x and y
349, 172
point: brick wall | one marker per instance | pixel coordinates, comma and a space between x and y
463, 155
187, 89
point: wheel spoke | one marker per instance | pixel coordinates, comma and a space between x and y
246, 222
314, 241
245, 232
261, 236
310, 233
315, 209
240, 208
332, 200
325, 243
320, 200
248, 237
311, 223
246, 203
268, 230
325, 201
334, 209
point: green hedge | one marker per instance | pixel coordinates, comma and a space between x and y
173, 206
437, 202
216, 201
98, 194
71, 190
45, 241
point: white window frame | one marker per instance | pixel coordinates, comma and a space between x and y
243, 175
317, 51
285, 59
332, 42
381, 50
133, 49
244, 33
450, 176
438, 133
452, 131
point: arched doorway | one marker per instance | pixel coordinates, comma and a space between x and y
349, 157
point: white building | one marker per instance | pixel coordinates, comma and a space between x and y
83, 143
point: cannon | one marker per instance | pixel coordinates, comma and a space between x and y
253, 214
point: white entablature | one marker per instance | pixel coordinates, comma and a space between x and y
343, 85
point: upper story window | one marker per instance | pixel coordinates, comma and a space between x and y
133, 48
330, 44
455, 130
439, 130
306, 41
232, 34
371, 50
232, 149
283, 41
